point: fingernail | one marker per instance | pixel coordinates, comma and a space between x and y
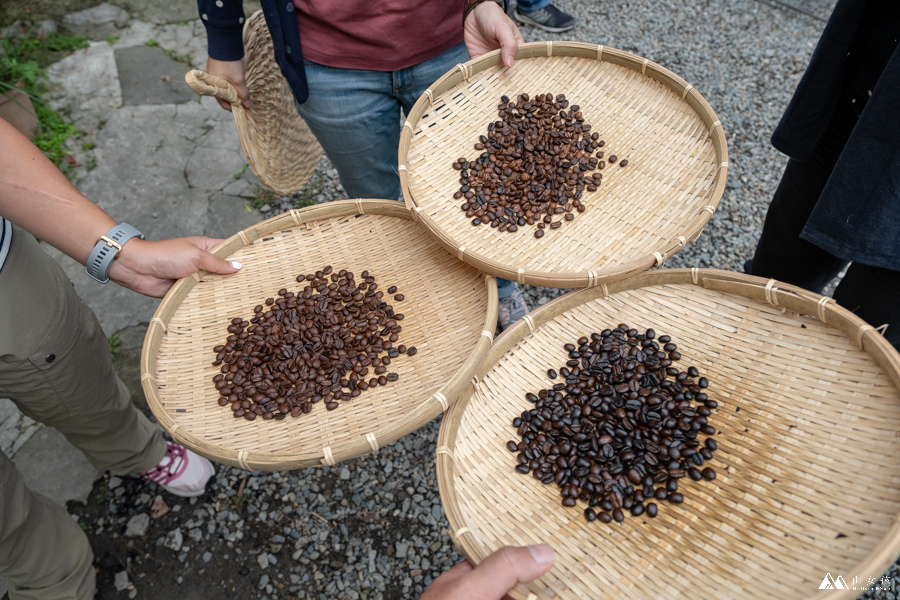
236, 264
542, 554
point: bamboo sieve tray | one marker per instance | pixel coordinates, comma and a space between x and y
450, 309
808, 457
641, 214
279, 146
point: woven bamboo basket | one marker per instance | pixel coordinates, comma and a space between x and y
640, 215
279, 146
808, 457
450, 309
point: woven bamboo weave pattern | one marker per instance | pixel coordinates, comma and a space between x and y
279, 146
674, 144
447, 306
808, 471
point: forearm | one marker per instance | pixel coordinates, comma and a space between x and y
224, 28
37, 197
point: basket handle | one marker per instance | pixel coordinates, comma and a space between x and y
209, 85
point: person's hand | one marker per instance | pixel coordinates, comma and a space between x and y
494, 577
487, 28
151, 268
231, 71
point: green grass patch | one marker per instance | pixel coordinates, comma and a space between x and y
24, 68
152, 43
111, 40
102, 493
263, 196
115, 345
313, 188
239, 174
182, 58
240, 501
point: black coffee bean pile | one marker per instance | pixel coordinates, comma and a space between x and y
533, 167
621, 429
314, 345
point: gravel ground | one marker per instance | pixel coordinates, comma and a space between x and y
374, 527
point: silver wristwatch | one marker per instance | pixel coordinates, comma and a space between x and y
107, 249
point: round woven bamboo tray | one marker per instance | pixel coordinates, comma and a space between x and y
450, 309
640, 215
808, 457
279, 146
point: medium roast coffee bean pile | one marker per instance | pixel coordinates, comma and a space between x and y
533, 167
315, 345
622, 427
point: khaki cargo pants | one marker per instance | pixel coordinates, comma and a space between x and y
55, 365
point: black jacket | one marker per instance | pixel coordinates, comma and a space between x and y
857, 216
224, 34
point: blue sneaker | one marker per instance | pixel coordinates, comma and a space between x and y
548, 18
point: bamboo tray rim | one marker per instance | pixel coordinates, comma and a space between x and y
428, 409
770, 291
655, 257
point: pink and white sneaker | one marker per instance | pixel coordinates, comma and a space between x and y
181, 472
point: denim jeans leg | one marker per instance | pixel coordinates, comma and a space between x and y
505, 288
531, 5
356, 119
411, 83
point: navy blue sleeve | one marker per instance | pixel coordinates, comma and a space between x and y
224, 22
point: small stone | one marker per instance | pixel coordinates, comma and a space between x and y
121, 581
263, 560
158, 508
174, 540
402, 550
137, 525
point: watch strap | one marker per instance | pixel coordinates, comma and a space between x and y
107, 249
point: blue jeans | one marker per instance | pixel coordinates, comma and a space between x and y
355, 115
531, 5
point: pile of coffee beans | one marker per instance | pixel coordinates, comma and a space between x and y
314, 345
621, 429
533, 167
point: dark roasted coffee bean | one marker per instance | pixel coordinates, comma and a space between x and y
271, 334
622, 428
651, 509
709, 474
